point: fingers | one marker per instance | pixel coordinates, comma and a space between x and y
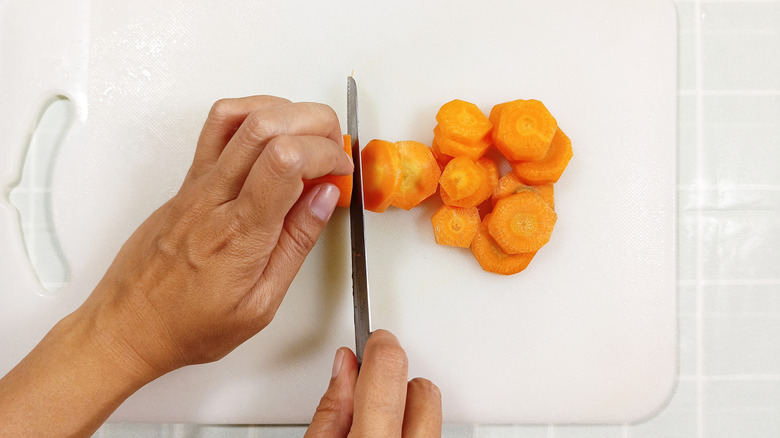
224, 118
380, 393
265, 126
276, 180
333, 417
299, 234
423, 417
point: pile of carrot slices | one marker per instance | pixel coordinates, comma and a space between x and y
503, 219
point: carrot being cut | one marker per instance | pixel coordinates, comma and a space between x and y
419, 174
381, 165
510, 184
549, 168
343, 182
523, 129
463, 122
522, 223
462, 177
490, 255
455, 226
483, 192
455, 148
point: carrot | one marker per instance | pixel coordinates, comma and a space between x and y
455, 226
483, 192
462, 177
510, 184
522, 223
463, 122
381, 166
441, 158
343, 182
419, 174
549, 168
456, 148
490, 255
523, 129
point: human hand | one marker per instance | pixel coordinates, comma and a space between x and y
209, 269
379, 401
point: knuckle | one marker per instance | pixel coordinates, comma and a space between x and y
285, 156
260, 126
328, 405
301, 239
388, 352
220, 109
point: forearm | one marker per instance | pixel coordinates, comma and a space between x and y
69, 384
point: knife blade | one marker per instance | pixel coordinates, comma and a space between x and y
357, 231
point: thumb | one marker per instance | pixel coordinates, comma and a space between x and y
333, 417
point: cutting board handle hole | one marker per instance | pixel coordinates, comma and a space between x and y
31, 194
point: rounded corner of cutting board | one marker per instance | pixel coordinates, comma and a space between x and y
659, 400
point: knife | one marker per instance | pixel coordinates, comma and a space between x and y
357, 231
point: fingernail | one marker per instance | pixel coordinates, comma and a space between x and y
337, 363
324, 201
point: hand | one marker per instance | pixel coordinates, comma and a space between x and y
209, 269
379, 401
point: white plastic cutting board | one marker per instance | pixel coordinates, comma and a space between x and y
586, 335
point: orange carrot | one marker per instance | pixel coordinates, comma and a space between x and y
490, 255
343, 182
419, 174
463, 122
522, 223
549, 168
524, 129
456, 148
455, 226
462, 177
509, 184
381, 166
441, 158
483, 192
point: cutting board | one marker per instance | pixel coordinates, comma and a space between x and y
587, 334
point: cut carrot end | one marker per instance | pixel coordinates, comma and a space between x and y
549, 168
455, 226
463, 122
381, 166
522, 223
524, 129
492, 258
420, 174
343, 182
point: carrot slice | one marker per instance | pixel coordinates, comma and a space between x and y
441, 158
456, 148
381, 166
480, 195
455, 226
490, 255
343, 182
419, 174
522, 223
524, 129
549, 168
462, 177
463, 122
510, 184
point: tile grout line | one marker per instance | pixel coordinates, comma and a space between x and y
699, 231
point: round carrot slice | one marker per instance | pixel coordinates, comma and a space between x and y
510, 184
419, 174
524, 130
463, 122
549, 168
483, 192
455, 148
522, 223
462, 177
490, 255
381, 167
455, 226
